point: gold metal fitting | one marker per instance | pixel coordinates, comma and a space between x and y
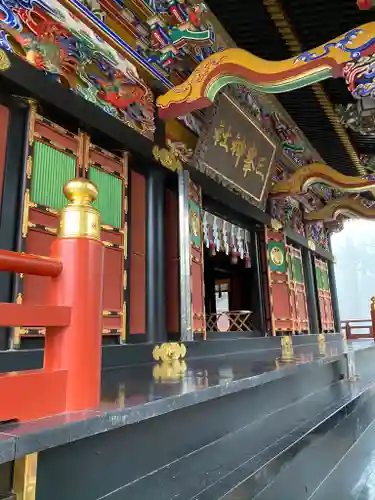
276, 225
287, 353
79, 219
169, 371
168, 352
322, 344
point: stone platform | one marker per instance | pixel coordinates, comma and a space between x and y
229, 428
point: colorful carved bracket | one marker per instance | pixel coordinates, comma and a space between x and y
342, 206
319, 173
239, 66
47, 36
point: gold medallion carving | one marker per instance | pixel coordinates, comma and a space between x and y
277, 256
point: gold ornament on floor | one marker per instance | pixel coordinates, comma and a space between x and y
169, 352
322, 344
169, 371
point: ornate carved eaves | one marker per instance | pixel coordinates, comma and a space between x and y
351, 207
301, 180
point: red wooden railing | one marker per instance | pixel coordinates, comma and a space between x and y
357, 329
29, 264
70, 378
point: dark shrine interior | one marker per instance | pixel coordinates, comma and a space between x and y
229, 285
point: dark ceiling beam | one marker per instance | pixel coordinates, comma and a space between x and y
284, 27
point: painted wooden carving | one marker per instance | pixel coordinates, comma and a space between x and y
47, 36
233, 66
342, 206
319, 173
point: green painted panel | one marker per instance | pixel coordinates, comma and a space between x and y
195, 223
298, 275
325, 280
52, 169
109, 202
318, 273
276, 256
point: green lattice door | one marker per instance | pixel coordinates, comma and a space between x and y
297, 289
324, 295
109, 173
52, 160
278, 282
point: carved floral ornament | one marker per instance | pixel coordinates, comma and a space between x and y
167, 158
346, 203
48, 37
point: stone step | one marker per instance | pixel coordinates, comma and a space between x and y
253, 455
181, 422
309, 462
354, 475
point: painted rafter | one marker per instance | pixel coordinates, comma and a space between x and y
350, 207
319, 173
284, 26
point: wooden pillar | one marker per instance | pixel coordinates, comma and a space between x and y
312, 303
155, 265
186, 326
172, 271
137, 256
13, 134
260, 320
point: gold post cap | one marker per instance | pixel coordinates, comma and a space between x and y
80, 191
79, 219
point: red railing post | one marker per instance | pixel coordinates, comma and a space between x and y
373, 316
77, 347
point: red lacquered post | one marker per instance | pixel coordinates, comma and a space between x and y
77, 348
365, 4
